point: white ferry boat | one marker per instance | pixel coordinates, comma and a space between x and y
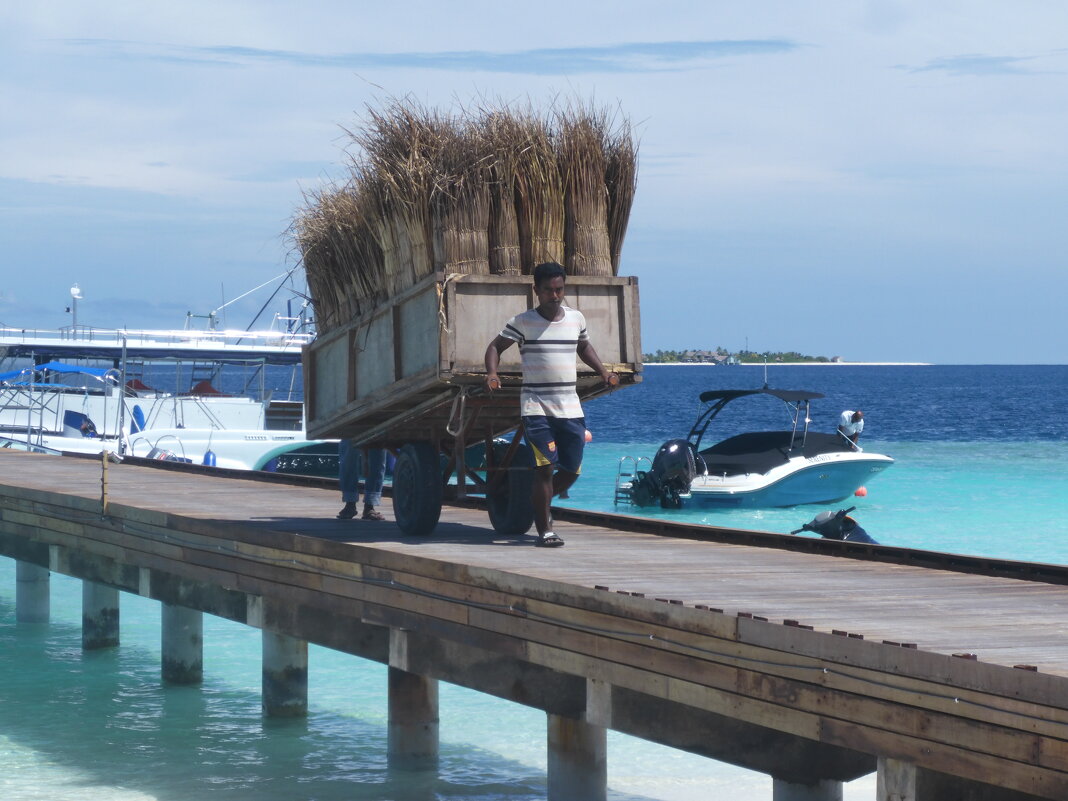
183, 395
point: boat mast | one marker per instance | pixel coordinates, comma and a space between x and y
122, 401
29, 404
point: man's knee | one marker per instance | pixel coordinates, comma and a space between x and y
543, 477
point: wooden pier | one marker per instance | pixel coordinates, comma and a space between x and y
812, 661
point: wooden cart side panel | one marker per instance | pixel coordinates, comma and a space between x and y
372, 346
602, 307
380, 367
418, 333
327, 376
632, 326
391, 404
478, 310
477, 313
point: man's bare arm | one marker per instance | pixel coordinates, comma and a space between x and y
588, 354
493, 360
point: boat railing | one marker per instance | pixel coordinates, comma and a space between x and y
134, 337
33, 391
627, 474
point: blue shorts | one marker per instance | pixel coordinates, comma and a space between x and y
557, 441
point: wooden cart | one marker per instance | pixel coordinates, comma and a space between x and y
410, 376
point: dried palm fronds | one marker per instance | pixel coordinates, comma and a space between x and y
461, 203
333, 236
491, 190
402, 144
503, 141
621, 180
581, 138
539, 194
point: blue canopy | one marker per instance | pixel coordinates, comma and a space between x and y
55, 367
15, 374
60, 367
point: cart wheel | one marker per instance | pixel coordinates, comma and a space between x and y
417, 489
510, 511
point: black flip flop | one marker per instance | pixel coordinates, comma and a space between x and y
549, 541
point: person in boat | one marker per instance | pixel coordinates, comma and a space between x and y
349, 458
549, 336
850, 424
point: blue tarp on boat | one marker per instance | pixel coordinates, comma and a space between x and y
21, 376
60, 367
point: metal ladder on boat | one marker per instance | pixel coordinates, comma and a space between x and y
135, 371
627, 474
203, 371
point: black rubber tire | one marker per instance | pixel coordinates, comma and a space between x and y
417, 489
510, 511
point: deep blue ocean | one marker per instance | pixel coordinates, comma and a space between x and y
981, 463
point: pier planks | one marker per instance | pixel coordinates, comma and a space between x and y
476, 598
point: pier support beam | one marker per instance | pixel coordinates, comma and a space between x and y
285, 676
896, 780
100, 616
413, 720
904, 781
32, 602
826, 790
183, 645
578, 763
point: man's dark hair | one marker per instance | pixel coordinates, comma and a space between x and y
547, 271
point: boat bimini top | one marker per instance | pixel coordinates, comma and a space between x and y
28, 376
796, 399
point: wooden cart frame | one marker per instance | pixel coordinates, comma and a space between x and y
410, 375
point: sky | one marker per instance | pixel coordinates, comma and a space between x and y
879, 181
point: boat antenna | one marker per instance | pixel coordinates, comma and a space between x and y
214, 312
274, 294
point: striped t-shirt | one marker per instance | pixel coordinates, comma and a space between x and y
547, 350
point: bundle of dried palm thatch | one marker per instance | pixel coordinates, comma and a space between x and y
503, 142
621, 180
539, 193
402, 146
581, 152
333, 234
485, 191
460, 203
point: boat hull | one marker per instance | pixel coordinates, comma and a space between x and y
804, 480
253, 449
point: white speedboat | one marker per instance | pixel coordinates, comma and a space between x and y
216, 409
753, 469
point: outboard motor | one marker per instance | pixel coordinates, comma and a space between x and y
837, 526
674, 467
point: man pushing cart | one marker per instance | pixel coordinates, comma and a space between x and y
554, 425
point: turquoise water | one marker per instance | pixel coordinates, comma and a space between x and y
976, 473
1003, 499
99, 726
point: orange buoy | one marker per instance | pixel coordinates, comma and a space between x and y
861, 492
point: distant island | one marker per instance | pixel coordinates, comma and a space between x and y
723, 356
